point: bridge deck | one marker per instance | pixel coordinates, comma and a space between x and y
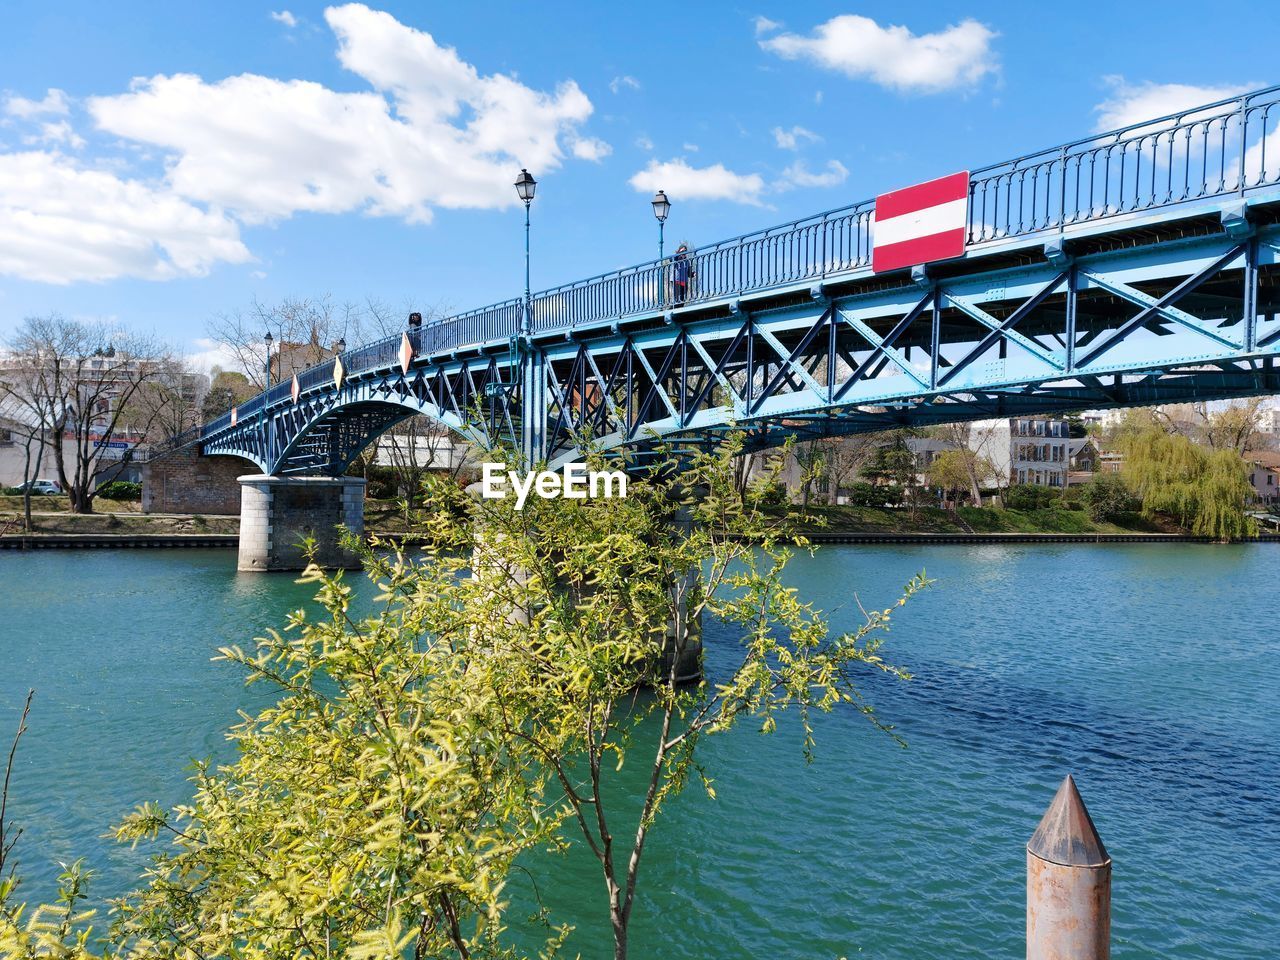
1074, 262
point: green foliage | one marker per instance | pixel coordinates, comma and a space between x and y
894, 464
383, 482
482, 709
1205, 490
1030, 496
1108, 497
868, 495
120, 490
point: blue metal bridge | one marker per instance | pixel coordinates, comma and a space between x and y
1139, 266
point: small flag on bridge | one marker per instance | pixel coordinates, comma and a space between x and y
233, 416
406, 353
339, 372
920, 224
295, 390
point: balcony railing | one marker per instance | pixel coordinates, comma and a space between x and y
1219, 149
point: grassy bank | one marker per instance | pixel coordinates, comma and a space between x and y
385, 516
850, 519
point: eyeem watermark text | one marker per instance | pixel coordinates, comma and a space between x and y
573, 482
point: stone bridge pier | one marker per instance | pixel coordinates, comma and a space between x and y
278, 513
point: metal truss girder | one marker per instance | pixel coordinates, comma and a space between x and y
1168, 311
1181, 290
1002, 330
1005, 332
883, 346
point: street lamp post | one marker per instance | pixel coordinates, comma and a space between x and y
661, 207
525, 187
267, 340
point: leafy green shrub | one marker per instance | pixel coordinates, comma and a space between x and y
1028, 496
1073, 498
381, 482
120, 490
767, 493
864, 495
1108, 497
875, 495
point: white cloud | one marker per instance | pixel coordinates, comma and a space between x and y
591, 148
56, 132
764, 25
894, 57
430, 132
794, 138
683, 182
210, 353
644, 143
1130, 103
689, 147
617, 84
54, 102
268, 148
285, 17
60, 223
799, 175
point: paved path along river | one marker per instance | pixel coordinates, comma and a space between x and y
1151, 672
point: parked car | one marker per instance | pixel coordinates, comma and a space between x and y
46, 487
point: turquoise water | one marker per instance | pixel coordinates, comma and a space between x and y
1150, 672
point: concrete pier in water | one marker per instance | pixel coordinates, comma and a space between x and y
278, 513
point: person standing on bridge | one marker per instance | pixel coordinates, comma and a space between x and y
682, 272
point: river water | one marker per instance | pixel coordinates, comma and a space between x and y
1151, 672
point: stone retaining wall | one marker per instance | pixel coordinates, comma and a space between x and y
185, 482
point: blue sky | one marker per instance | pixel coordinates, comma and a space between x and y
162, 162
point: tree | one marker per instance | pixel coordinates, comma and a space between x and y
227, 389
170, 402
843, 457
82, 379
417, 446
1207, 490
32, 419
304, 327
414, 754
1234, 426
894, 465
978, 468
1108, 497
958, 471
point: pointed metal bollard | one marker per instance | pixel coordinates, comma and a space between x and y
1068, 884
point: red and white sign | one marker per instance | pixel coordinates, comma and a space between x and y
920, 224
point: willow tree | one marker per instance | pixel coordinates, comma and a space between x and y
1206, 490
486, 705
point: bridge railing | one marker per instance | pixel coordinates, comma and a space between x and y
1213, 150
1207, 151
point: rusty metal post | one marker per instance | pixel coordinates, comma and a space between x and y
1068, 884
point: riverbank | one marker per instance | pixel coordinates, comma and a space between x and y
121, 524
1060, 520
